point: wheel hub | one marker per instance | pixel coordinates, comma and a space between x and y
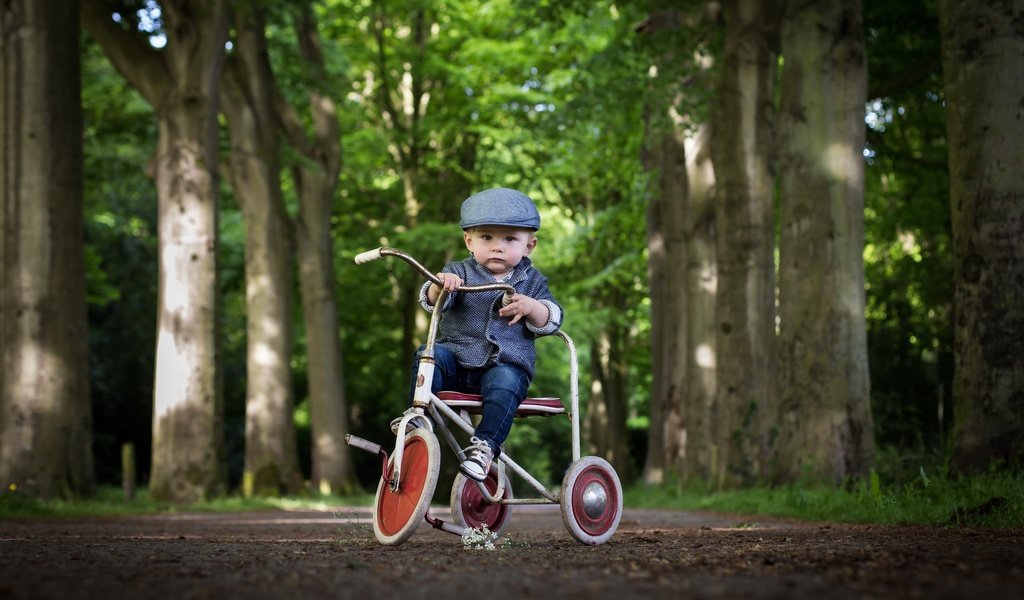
595, 500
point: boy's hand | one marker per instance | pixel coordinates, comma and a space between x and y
525, 307
449, 281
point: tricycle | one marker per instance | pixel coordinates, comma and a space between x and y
590, 497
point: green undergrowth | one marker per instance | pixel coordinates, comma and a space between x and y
993, 500
111, 501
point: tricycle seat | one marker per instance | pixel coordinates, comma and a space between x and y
530, 407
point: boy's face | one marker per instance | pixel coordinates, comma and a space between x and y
499, 248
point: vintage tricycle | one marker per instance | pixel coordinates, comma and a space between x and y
591, 494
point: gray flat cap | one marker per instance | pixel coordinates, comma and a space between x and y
500, 206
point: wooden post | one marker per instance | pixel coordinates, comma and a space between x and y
128, 470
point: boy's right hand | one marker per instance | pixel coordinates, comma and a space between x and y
449, 281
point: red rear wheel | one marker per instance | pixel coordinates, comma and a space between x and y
591, 500
469, 508
397, 513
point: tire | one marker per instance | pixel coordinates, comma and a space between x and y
397, 514
470, 510
591, 500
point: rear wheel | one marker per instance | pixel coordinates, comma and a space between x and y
591, 500
397, 514
471, 509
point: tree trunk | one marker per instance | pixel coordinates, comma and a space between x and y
983, 56
608, 404
666, 160
825, 427
680, 235
316, 180
181, 82
271, 453
333, 471
45, 415
745, 309
699, 457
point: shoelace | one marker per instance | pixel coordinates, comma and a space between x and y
479, 451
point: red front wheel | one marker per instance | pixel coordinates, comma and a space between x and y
397, 513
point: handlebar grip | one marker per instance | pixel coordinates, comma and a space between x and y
369, 255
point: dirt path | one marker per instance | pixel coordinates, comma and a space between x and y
654, 554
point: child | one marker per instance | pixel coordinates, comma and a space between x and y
483, 347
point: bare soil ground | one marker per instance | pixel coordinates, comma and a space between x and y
654, 554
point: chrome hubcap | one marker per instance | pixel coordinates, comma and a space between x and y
595, 499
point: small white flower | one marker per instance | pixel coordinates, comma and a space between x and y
479, 538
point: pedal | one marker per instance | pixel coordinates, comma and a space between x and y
362, 444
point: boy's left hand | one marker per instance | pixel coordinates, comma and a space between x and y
524, 307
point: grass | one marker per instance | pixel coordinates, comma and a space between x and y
110, 501
991, 500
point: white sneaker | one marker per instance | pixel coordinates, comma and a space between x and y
478, 459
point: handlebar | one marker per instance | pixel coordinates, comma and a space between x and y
378, 253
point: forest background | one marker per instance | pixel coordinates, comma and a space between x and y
667, 146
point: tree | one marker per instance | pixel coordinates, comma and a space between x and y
181, 82
824, 428
982, 59
259, 114
607, 407
701, 448
742, 147
665, 158
271, 455
45, 416
681, 249
316, 182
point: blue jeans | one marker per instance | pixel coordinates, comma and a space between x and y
503, 388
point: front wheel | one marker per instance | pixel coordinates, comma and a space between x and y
471, 509
591, 500
397, 514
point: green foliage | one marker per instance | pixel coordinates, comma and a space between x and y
876, 486
519, 96
121, 268
548, 97
989, 500
231, 280
908, 265
109, 501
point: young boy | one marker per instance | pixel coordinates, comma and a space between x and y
483, 347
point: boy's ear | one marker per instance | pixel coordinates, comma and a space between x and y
466, 237
531, 244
